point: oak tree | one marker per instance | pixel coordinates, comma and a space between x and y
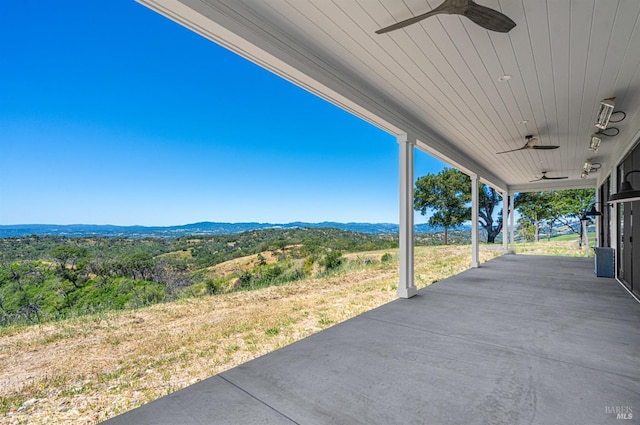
446, 194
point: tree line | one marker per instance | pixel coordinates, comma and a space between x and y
446, 196
49, 277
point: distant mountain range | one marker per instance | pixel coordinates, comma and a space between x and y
199, 229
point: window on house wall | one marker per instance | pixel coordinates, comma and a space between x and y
628, 268
633, 232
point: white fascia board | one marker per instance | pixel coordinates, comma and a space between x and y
233, 26
603, 174
484, 176
554, 185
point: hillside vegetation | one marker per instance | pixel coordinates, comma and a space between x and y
51, 278
45, 278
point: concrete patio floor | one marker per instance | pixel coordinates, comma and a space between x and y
521, 340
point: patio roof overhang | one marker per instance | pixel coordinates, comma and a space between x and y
439, 80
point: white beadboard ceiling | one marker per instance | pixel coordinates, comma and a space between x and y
438, 80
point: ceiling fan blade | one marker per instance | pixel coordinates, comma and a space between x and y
544, 177
409, 21
513, 150
488, 18
545, 147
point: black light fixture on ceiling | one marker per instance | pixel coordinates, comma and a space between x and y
605, 112
626, 193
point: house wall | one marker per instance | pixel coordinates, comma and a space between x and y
627, 242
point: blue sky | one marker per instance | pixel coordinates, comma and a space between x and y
112, 114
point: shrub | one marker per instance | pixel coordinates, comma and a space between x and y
308, 265
332, 260
244, 281
270, 273
386, 258
214, 286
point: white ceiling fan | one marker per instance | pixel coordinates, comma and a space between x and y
531, 143
544, 177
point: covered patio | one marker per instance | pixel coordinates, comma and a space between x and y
520, 339
523, 339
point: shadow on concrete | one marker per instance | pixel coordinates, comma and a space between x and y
521, 340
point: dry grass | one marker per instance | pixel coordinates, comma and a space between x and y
241, 263
562, 248
89, 369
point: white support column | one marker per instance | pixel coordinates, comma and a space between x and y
505, 222
406, 287
475, 211
512, 223
598, 220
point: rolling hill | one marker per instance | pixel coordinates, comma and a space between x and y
199, 229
